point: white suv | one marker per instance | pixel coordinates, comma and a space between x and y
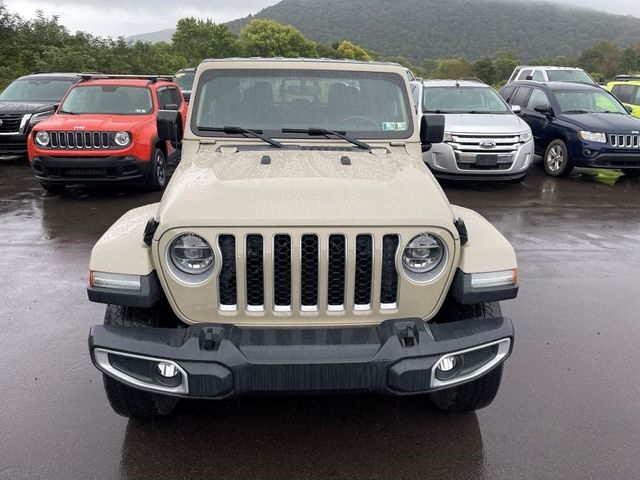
551, 74
483, 140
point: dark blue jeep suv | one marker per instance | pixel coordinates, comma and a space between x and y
577, 125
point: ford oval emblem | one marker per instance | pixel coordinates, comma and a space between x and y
488, 144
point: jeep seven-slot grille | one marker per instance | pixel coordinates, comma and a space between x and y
625, 141
88, 140
347, 264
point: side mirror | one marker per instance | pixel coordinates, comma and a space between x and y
542, 108
169, 125
431, 130
629, 108
516, 109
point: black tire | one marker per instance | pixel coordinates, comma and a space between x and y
125, 400
480, 392
631, 172
52, 188
157, 175
556, 160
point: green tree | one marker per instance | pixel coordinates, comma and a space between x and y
505, 64
454, 68
196, 40
603, 57
267, 38
349, 50
485, 70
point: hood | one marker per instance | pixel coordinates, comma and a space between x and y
92, 122
302, 188
603, 122
484, 123
23, 107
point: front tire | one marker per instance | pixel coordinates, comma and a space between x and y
125, 400
480, 392
157, 175
556, 159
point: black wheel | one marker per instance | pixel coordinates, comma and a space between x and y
556, 159
157, 175
631, 172
52, 188
480, 392
125, 400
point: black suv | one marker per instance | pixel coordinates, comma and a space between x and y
25, 102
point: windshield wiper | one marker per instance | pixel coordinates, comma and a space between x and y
576, 111
243, 131
324, 133
67, 113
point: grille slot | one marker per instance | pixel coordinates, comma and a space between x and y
282, 272
625, 141
389, 286
336, 272
309, 272
255, 273
227, 282
364, 272
10, 123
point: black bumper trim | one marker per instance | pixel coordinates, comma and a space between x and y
114, 169
150, 292
477, 176
464, 293
609, 160
377, 359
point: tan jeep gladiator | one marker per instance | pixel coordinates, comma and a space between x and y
301, 246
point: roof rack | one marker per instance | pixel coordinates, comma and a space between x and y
150, 78
627, 77
471, 79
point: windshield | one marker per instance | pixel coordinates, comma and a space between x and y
36, 90
108, 99
463, 100
577, 76
589, 102
360, 104
185, 80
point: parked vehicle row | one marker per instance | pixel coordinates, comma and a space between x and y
627, 89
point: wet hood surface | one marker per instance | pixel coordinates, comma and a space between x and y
485, 123
24, 107
603, 122
89, 122
300, 188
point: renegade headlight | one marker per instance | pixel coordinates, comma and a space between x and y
598, 137
191, 254
423, 254
122, 139
526, 136
42, 138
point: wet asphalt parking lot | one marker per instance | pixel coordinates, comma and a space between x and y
569, 406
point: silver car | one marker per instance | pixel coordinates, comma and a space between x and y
484, 139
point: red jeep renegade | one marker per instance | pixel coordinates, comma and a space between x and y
105, 131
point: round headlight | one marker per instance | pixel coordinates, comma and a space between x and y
191, 254
42, 138
122, 139
423, 254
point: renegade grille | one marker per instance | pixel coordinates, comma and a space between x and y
625, 141
80, 140
294, 270
11, 122
470, 154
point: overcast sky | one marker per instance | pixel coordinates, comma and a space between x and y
118, 17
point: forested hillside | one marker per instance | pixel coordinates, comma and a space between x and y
471, 29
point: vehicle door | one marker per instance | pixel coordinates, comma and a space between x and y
629, 95
537, 114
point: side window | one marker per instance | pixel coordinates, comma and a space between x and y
176, 99
625, 93
636, 100
538, 76
164, 98
538, 97
524, 74
521, 96
506, 93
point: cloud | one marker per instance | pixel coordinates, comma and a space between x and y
115, 17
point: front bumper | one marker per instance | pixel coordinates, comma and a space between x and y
13, 145
397, 357
599, 156
82, 170
442, 159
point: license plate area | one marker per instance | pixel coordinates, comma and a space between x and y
487, 160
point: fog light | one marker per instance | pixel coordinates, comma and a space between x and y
448, 367
167, 370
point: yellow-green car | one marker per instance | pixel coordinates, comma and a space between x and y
627, 89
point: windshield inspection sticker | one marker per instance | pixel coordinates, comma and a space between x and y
394, 126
